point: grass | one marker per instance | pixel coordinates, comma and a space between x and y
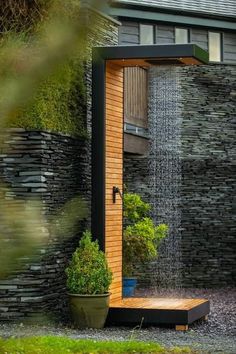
62, 345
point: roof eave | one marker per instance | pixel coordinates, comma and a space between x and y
146, 7
184, 19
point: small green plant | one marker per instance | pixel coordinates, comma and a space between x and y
134, 207
141, 236
88, 272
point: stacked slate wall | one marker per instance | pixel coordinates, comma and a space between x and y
54, 168
208, 175
208, 104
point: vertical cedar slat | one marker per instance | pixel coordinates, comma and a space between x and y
135, 93
114, 163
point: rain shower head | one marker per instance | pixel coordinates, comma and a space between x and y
164, 61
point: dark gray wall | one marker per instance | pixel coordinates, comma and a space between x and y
208, 175
208, 220
164, 34
52, 168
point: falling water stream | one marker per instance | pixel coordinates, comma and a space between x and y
165, 170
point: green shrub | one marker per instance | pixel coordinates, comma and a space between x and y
141, 237
88, 271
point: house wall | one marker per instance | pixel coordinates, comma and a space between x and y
165, 34
219, 8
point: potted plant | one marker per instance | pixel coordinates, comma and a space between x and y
141, 239
88, 281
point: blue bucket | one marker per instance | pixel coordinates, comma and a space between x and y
129, 285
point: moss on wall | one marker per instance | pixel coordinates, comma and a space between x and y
59, 103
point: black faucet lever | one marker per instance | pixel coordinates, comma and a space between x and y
115, 191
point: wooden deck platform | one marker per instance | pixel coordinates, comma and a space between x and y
154, 311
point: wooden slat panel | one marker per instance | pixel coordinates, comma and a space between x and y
112, 76
113, 67
113, 145
111, 90
112, 218
113, 214
135, 108
115, 81
114, 175
113, 98
113, 114
111, 228
115, 88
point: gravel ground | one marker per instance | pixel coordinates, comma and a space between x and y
217, 335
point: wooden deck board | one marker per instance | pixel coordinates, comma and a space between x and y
157, 303
157, 311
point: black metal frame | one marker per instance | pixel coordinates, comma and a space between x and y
99, 57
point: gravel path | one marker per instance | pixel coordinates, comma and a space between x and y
217, 335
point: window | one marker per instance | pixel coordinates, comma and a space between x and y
214, 46
146, 34
181, 35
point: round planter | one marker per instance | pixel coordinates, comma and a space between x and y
129, 285
89, 311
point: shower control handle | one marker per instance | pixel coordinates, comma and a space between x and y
115, 191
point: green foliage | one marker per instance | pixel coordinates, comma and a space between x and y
41, 53
141, 237
22, 14
67, 220
88, 271
59, 102
22, 231
134, 207
62, 345
56, 97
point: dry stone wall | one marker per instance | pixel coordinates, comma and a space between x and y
208, 175
53, 168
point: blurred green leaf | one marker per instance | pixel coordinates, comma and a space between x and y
31, 49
